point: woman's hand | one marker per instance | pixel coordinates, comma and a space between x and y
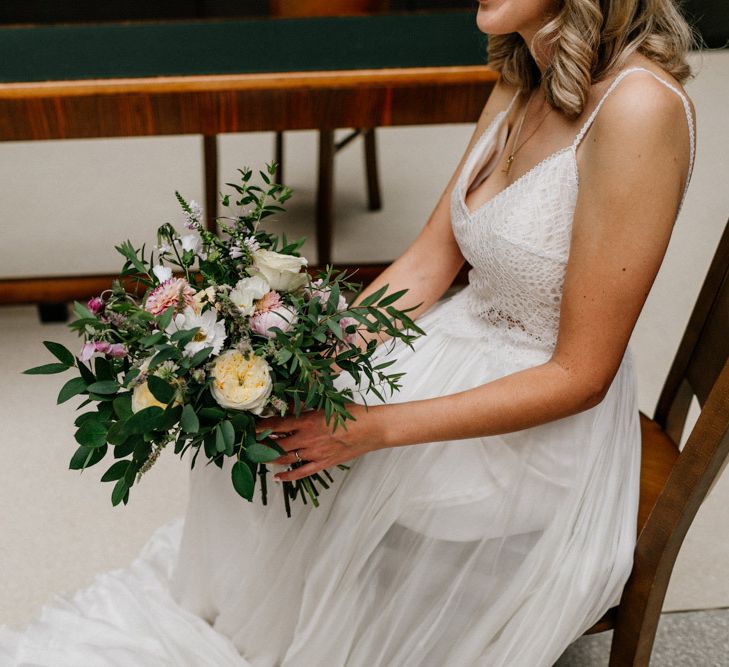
318, 446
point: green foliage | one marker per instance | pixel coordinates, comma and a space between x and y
134, 346
243, 480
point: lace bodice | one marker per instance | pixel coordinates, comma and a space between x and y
518, 241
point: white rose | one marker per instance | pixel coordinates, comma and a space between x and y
241, 382
283, 272
162, 273
248, 290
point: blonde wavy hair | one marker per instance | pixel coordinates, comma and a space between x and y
587, 41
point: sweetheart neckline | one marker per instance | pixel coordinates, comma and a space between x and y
473, 213
463, 188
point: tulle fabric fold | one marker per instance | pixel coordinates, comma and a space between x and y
493, 551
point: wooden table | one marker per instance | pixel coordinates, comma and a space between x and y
206, 78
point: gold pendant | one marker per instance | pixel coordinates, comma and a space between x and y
509, 160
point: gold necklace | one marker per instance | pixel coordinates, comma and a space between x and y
510, 159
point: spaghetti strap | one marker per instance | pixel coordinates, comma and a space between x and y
511, 104
686, 106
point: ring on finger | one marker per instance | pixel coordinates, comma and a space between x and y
298, 456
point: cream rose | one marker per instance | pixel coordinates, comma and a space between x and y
241, 382
142, 397
203, 297
282, 272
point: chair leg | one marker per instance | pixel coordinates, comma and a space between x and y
373, 181
210, 152
325, 197
279, 157
635, 631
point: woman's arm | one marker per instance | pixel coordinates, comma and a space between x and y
429, 265
632, 172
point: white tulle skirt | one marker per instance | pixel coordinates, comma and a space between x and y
495, 551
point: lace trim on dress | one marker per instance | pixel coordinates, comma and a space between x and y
518, 240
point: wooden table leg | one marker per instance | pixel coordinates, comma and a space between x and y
325, 198
373, 179
210, 152
279, 157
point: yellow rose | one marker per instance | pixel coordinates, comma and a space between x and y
241, 382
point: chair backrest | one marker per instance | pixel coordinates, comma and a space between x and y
701, 369
703, 350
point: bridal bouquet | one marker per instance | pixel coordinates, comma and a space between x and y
201, 339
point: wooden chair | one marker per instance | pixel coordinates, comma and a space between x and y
328, 147
674, 483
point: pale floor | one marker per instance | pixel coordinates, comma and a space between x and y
63, 205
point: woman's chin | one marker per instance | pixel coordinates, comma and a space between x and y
488, 21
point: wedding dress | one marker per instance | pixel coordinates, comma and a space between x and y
490, 551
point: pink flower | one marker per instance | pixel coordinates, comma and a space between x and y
348, 322
87, 351
95, 305
282, 317
324, 294
117, 350
172, 292
91, 347
270, 301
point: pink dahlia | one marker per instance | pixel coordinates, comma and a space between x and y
172, 292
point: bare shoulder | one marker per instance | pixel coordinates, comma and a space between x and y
642, 109
641, 137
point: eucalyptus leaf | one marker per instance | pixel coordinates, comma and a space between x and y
228, 433
120, 490
85, 457
82, 311
60, 352
73, 387
92, 433
200, 356
183, 337
391, 298
219, 439
116, 471
47, 369
152, 339
104, 370
104, 387
165, 318
243, 481
145, 420
160, 389
123, 406
162, 356
189, 421
259, 453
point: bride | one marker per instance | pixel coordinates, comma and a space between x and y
488, 516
